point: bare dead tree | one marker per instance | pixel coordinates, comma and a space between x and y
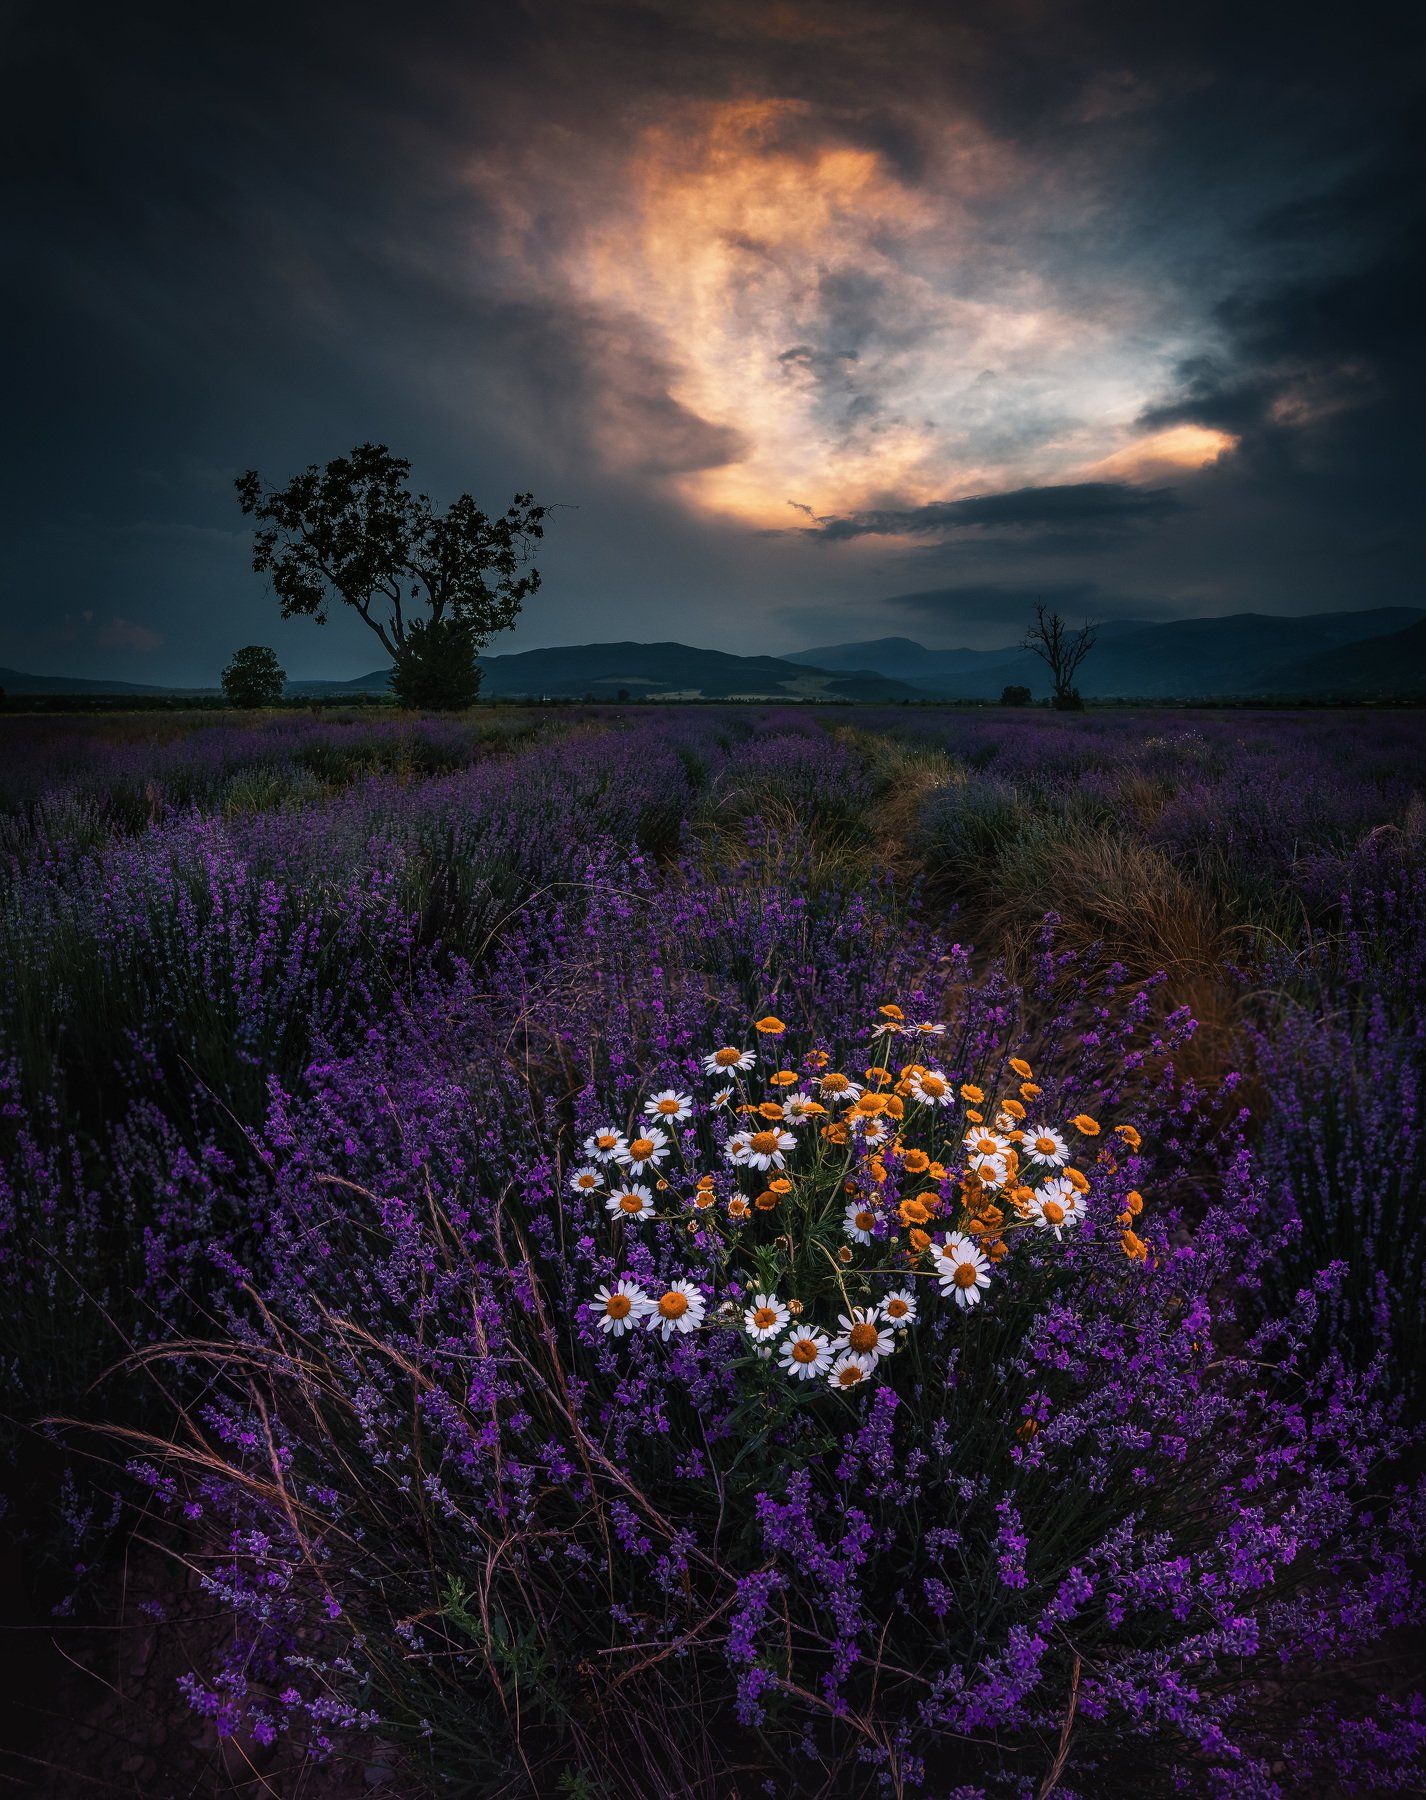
1061, 649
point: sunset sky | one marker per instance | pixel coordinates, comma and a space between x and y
817, 320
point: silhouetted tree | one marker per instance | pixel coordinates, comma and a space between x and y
437, 670
254, 677
1015, 696
354, 532
1062, 650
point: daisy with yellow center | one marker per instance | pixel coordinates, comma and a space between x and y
604, 1145
679, 1308
927, 1028
961, 1269
931, 1088
619, 1308
1043, 1144
986, 1143
849, 1371
738, 1208
670, 1107
630, 1203
838, 1088
646, 1151
858, 1222
763, 1149
765, 1317
797, 1109
1055, 1207
899, 1309
587, 1180
728, 1061
863, 1333
805, 1353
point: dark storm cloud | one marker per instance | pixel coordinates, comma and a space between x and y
257, 237
1098, 505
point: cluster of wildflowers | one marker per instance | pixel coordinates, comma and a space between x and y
835, 1210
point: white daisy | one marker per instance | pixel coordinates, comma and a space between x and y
849, 1371
805, 1353
1049, 1213
764, 1149
857, 1222
727, 1061
631, 1203
899, 1308
837, 1090
619, 1308
646, 1151
670, 1106
722, 1097
679, 1308
798, 1108
737, 1145
931, 1087
992, 1170
987, 1143
926, 1028
961, 1269
765, 1317
604, 1145
862, 1334
1043, 1144
587, 1180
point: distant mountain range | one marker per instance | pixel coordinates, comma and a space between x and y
1354, 655
1348, 655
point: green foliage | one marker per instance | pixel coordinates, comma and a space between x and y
1014, 695
254, 677
354, 532
436, 670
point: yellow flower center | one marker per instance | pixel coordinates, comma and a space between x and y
1053, 1211
933, 1085
865, 1221
726, 1057
668, 1106
897, 1309
849, 1376
639, 1148
804, 1350
1046, 1145
965, 1275
631, 1203
835, 1084
764, 1316
863, 1337
588, 1181
606, 1140
763, 1142
986, 1146
618, 1306
673, 1305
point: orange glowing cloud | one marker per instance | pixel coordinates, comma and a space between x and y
832, 336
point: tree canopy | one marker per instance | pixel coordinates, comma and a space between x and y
354, 533
254, 677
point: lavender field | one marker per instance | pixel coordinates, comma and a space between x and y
702, 1251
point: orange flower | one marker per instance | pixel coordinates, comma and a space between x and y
781, 1186
998, 1249
1025, 1430
770, 1110
1028, 1091
1134, 1202
705, 1181
916, 1162
1021, 1067
771, 1026
976, 1118
817, 1059
1130, 1136
737, 1207
766, 1200
1013, 1107
920, 1240
912, 1212
783, 1078
891, 1012
937, 1171
878, 1075
876, 1168
1134, 1247
1083, 1123
969, 1091
1077, 1180
835, 1134
844, 1255
895, 1108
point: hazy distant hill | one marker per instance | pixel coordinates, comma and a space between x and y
16, 681
643, 671
1241, 654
